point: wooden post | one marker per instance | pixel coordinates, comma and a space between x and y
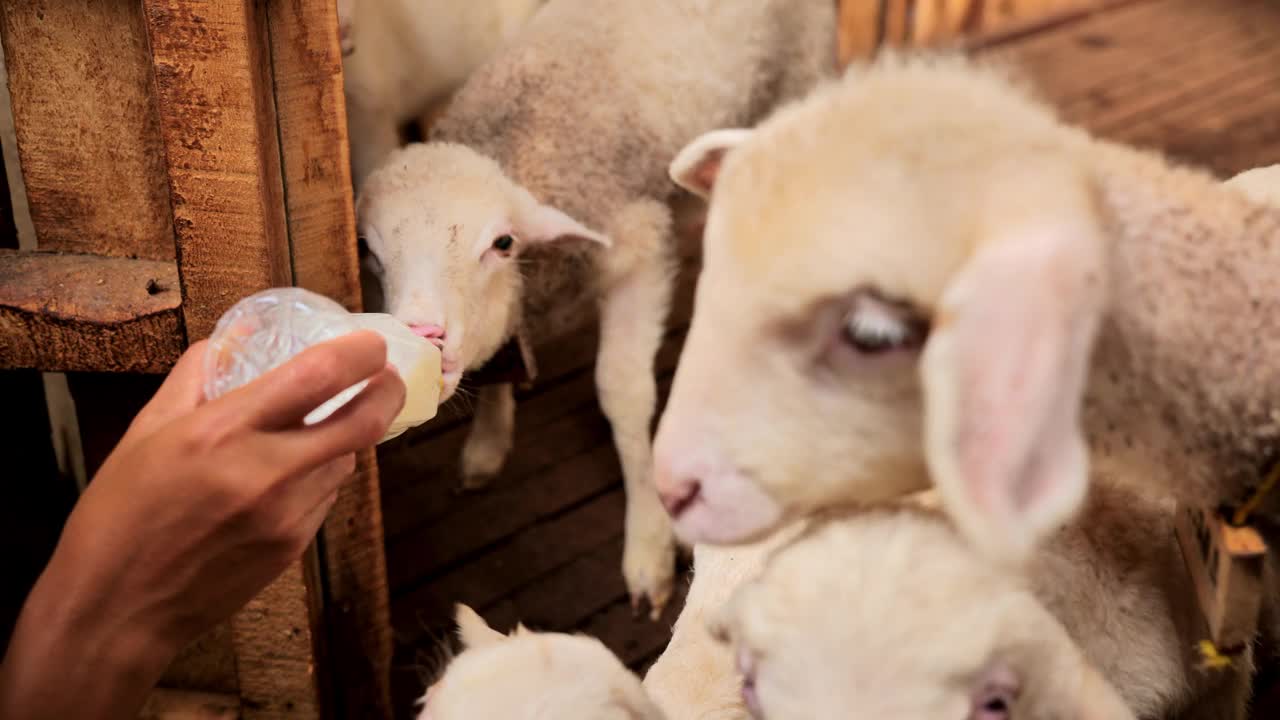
310, 107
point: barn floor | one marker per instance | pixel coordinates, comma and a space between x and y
1200, 80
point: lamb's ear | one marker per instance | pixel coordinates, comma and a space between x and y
542, 224
696, 166
1004, 372
473, 630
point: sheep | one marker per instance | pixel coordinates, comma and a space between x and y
886, 611
919, 274
694, 678
533, 676
544, 187
1261, 184
402, 58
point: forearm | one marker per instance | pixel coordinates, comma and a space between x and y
69, 657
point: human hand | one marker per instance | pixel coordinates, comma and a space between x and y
199, 507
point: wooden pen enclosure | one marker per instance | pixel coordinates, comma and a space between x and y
172, 156
177, 156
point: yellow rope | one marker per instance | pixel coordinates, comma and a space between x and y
1210, 658
1242, 513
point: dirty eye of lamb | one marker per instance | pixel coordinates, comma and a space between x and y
503, 243
876, 326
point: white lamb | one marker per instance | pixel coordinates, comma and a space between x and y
533, 676
889, 614
403, 57
923, 259
546, 182
694, 678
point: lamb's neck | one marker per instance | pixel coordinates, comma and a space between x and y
1185, 375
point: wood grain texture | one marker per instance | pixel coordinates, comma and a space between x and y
218, 122
207, 665
215, 96
310, 108
164, 704
273, 643
858, 33
80, 312
88, 138
311, 111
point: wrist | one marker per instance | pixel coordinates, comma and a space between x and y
73, 654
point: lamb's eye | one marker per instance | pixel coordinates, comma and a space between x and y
876, 326
504, 243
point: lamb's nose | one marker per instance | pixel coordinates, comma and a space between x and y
677, 497
434, 333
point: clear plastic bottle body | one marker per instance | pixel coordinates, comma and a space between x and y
265, 330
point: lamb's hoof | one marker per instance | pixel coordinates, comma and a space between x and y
651, 583
656, 604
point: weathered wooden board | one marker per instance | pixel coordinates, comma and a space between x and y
858, 34
215, 99
77, 312
88, 139
273, 642
217, 118
307, 70
307, 67
165, 704
867, 25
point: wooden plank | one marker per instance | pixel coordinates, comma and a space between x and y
165, 704
311, 111
207, 665
512, 564
217, 119
273, 642
306, 61
895, 19
79, 77
858, 32
76, 312
215, 97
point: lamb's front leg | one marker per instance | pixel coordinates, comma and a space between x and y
637, 297
489, 440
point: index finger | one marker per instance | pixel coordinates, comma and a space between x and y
283, 396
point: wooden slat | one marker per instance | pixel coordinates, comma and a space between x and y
215, 97
859, 29
164, 704
79, 77
307, 68
306, 65
207, 665
217, 118
273, 642
76, 312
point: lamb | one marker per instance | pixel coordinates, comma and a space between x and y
910, 624
533, 676
404, 57
694, 678
923, 258
1262, 184
544, 187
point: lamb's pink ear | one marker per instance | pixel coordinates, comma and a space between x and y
696, 166
473, 630
1004, 372
543, 223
